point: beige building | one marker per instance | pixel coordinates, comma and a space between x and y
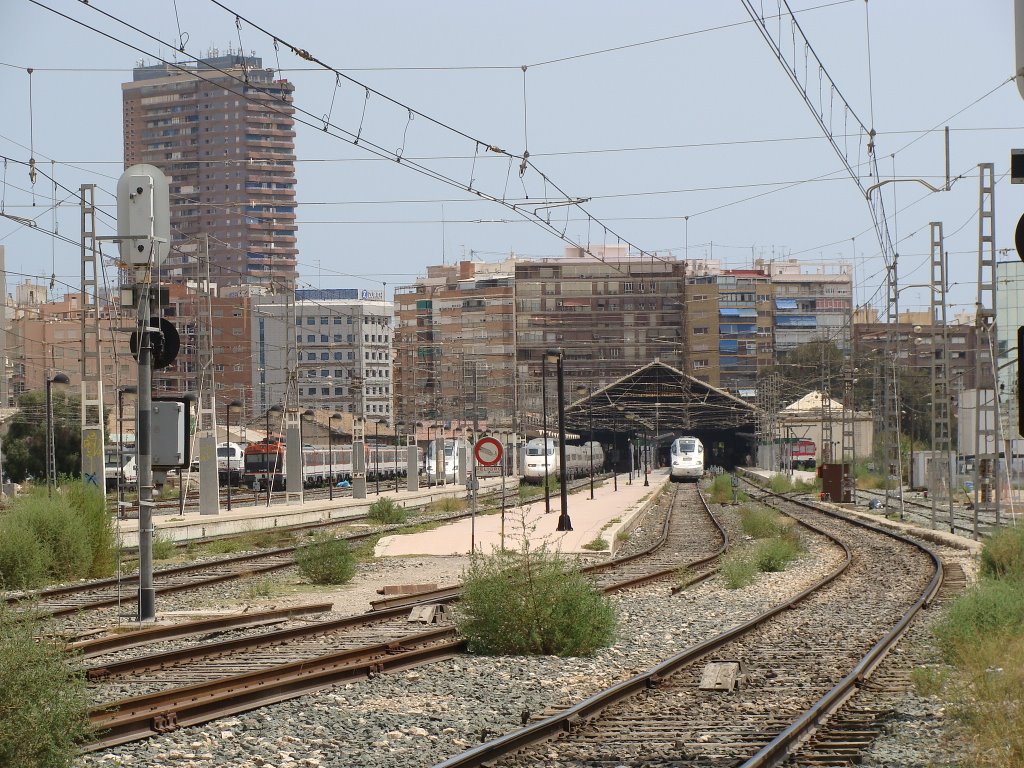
804, 420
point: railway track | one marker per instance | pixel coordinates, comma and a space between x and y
921, 513
189, 685
794, 665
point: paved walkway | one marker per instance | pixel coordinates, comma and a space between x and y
608, 513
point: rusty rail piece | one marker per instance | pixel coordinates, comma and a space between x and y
232, 645
144, 716
98, 646
574, 717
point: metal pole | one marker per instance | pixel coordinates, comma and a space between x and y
330, 461
143, 446
591, 409
544, 418
227, 422
376, 454
647, 450
564, 523
472, 461
49, 439
120, 453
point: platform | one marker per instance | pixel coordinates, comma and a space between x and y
604, 516
193, 525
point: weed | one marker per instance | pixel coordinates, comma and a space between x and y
760, 522
622, 536
780, 483
992, 608
447, 505
262, 587
738, 569
597, 545
387, 512
163, 547
326, 560
773, 555
928, 681
1003, 555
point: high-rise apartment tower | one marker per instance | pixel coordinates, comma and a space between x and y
224, 134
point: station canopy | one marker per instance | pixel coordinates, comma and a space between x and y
658, 398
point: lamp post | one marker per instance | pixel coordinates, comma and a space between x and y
398, 431
647, 451
564, 523
271, 471
426, 457
330, 455
129, 389
60, 380
615, 430
582, 392
544, 419
376, 451
234, 407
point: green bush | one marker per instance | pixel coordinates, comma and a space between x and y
772, 555
91, 505
1003, 555
386, 512
326, 560
760, 522
58, 529
24, 561
990, 608
738, 569
446, 505
532, 602
43, 699
597, 545
780, 483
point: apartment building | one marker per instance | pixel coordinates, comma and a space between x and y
610, 315
338, 342
813, 301
455, 344
223, 133
729, 327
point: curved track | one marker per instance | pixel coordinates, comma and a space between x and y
798, 660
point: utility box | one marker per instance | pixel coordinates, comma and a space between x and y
832, 484
170, 429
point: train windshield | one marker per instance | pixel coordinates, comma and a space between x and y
261, 462
686, 446
224, 452
538, 450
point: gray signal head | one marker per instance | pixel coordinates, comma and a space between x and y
143, 214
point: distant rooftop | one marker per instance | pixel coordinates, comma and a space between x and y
226, 61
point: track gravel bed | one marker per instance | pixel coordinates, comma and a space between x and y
422, 716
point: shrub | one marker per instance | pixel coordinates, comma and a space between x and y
24, 561
385, 511
42, 697
772, 555
91, 505
738, 569
1003, 555
326, 560
163, 547
721, 489
760, 522
597, 545
59, 531
262, 587
780, 483
532, 602
990, 608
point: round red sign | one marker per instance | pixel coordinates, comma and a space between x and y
488, 451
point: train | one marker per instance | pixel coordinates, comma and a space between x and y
577, 459
265, 463
454, 448
687, 457
803, 452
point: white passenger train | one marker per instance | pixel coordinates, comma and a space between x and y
687, 456
452, 450
577, 459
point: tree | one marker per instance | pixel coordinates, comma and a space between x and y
25, 442
801, 370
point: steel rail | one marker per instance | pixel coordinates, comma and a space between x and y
98, 646
233, 645
572, 718
141, 717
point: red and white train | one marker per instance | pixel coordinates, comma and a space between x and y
265, 463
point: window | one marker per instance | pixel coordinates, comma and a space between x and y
311, 338
337, 355
700, 331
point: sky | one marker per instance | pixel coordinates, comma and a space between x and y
674, 119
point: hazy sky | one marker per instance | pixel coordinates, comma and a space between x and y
703, 124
